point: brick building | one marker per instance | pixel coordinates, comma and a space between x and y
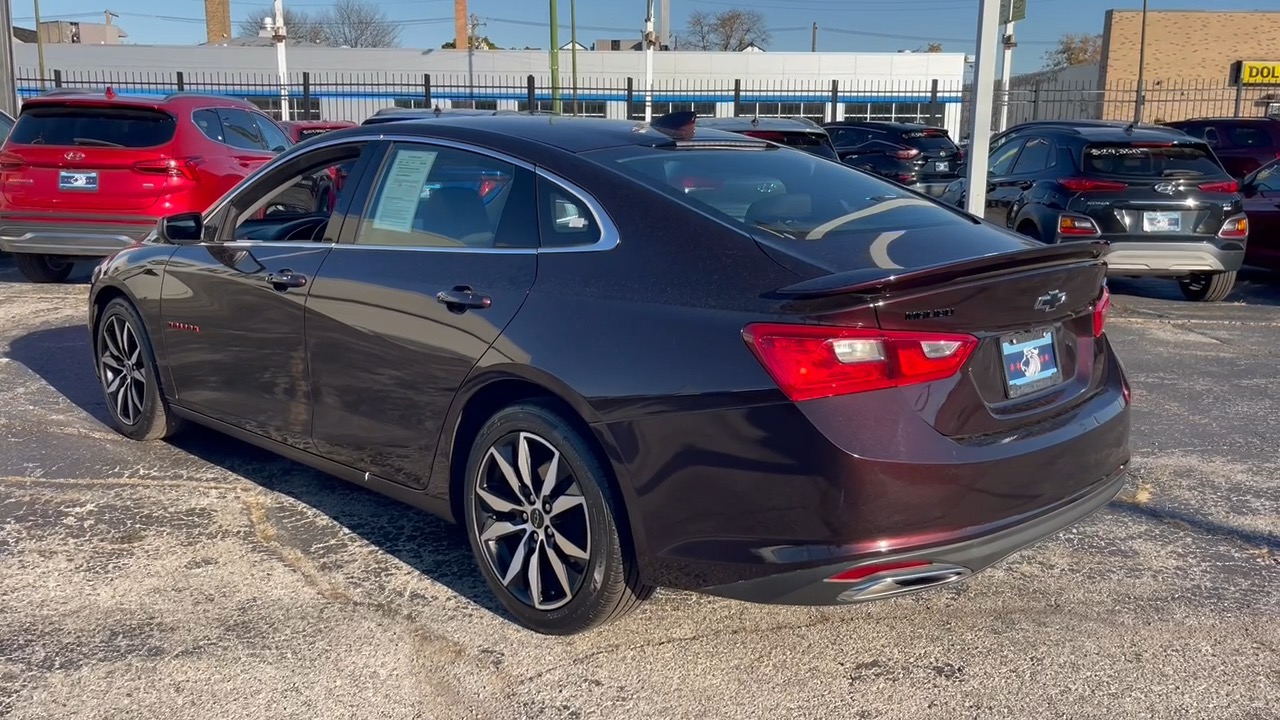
1187, 70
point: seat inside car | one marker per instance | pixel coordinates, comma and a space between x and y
456, 213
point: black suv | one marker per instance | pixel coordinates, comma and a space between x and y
1161, 197
800, 133
920, 156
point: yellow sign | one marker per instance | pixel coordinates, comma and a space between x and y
1254, 73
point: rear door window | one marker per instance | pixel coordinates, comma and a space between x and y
1243, 136
274, 137
848, 137
1131, 160
115, 127
1036, 156
1002, 158
240, 130
209, 124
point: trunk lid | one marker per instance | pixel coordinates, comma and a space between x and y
82, 157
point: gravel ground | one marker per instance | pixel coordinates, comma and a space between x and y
207, 579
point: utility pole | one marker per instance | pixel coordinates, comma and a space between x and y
9, 74
984, 70
1141, 99
573, 49
1006, 71
39, 40
556, 106
461, 39
648, 62
813, 45
280, 35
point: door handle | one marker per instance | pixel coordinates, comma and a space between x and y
462, 298
1025, 185
286, 279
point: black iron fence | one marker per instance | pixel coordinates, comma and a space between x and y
355, 96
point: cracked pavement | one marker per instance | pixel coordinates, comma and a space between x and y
209, 579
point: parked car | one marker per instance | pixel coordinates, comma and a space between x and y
698, 360
1261, 191
396, 114
85, 175
299, 130
1163, 200
1042, 125
6, 124
919, 156
798, 133
1243, 144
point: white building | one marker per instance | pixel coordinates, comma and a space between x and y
351, 84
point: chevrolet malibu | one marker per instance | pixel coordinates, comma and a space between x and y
624, 358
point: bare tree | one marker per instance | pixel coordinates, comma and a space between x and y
1074, 50
301, 25
728, 30
932, 47
361, 23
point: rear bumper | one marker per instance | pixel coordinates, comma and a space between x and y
1175, 258
956, 560
71, 236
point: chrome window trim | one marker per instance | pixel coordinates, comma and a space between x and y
609, 235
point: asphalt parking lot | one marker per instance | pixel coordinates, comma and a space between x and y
208, 579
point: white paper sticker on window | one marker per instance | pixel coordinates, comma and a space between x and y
402, 190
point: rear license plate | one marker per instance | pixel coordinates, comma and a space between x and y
942, 166
1030, 362
81, 181
1155, 222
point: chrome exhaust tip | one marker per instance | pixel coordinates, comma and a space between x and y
891, 583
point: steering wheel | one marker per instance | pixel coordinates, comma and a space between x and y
284, 231
297, 227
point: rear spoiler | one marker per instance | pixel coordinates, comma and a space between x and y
873, 281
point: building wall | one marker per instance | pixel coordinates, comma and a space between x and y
1187, 52
352, 83
62, 31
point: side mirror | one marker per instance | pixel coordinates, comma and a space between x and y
182, 229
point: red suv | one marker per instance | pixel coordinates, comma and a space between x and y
85, 174
1242, 144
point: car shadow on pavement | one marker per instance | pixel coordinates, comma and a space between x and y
61, 357
9, 274
1253, 286
1256, 541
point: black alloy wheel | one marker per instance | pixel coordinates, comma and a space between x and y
541, 521
126, 370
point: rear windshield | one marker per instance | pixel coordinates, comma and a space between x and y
927, 140
1128, 160
313, 131
816, 144
93, 127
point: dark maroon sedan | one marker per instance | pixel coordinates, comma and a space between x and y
697, 360
1261, 191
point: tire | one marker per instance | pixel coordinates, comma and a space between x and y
587, 575
128, 377
1029, 230
44, 268
1208, 288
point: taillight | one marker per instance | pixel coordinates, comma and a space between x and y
1100, 311
9, 161
769, 135
816, 361
1077, 226
1090, 185
1230, 186
1236, 228
905, 154
173, 167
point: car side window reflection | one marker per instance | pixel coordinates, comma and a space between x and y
566, 220
1002, 159
296, 202
1035, 156
435, 196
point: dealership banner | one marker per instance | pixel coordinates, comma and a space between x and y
1256, 73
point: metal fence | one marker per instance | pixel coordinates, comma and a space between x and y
355, 96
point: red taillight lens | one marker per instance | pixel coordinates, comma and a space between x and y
905, 154
1100, 311
173, 167
766, 135
1230, 186
1090, 185
816, 361
865, 571
9, 161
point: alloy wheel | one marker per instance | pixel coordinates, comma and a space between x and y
532, 521
123, 369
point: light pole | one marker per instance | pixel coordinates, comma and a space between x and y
9, 75
280, 35
573, 49
556, 107
39, 41
984, 70
648, 62
1006, 71
1140, 99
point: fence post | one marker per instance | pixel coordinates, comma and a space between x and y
532, 89
57, 78
737, 95
182, 82
935, 112
1035, 102
306, 95
631, 95
835, 98
426, 89
1239, 95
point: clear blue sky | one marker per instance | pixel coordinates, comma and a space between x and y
844, 25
